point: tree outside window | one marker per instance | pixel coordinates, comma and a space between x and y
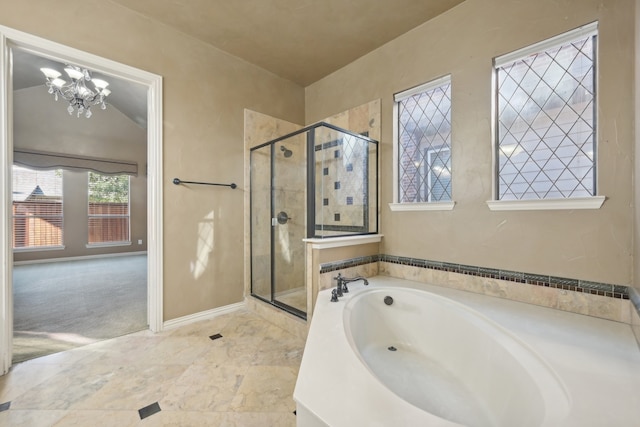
109, 208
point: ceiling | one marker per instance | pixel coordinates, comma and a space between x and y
298, 40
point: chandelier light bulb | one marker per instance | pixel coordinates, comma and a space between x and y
73, 73
99, 83
58, 82
70, 109
50, 73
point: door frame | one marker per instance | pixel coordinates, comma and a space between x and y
9, 39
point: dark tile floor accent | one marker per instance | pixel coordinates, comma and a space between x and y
149, 410
5, 406
215, 336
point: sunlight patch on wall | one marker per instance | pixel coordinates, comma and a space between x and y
204, 246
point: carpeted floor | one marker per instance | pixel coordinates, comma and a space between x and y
58, 306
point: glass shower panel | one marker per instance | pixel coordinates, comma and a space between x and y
289, 222
346, 184
261, 222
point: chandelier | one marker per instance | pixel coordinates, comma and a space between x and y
79, 96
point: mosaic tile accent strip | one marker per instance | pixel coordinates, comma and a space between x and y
585, 286
353, 262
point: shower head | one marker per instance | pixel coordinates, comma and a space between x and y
287, 152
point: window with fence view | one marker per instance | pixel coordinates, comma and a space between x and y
37, 208
108, 208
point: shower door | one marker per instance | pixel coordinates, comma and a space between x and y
288, 223
278, 223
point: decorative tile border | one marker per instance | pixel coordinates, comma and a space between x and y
585, 286
353, 262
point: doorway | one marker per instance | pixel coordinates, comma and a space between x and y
14, 41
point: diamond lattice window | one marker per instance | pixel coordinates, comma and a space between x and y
424, 142
546, 120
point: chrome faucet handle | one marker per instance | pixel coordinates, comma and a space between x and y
334, 296
344, 287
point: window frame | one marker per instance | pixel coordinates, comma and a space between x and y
90, 216
396, 205
591, 202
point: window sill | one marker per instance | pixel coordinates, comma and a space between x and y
337, 242
39, 249
432, 206
548, 204
107, 244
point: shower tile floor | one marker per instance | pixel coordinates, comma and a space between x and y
296, 298
245, 378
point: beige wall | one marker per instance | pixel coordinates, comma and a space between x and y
205, 92
42, 124
594, 244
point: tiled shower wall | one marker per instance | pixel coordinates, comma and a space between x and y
365, 120
601, 300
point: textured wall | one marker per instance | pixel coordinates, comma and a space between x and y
205, 93
593, 244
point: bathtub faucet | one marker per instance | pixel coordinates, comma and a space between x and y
341, 287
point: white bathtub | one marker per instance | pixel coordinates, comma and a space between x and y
429, 360
451, 361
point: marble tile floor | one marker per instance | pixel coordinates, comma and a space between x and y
244, 378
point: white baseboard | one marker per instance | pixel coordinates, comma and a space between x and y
203, 315
78, 258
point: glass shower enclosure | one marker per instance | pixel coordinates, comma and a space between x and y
318, 182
